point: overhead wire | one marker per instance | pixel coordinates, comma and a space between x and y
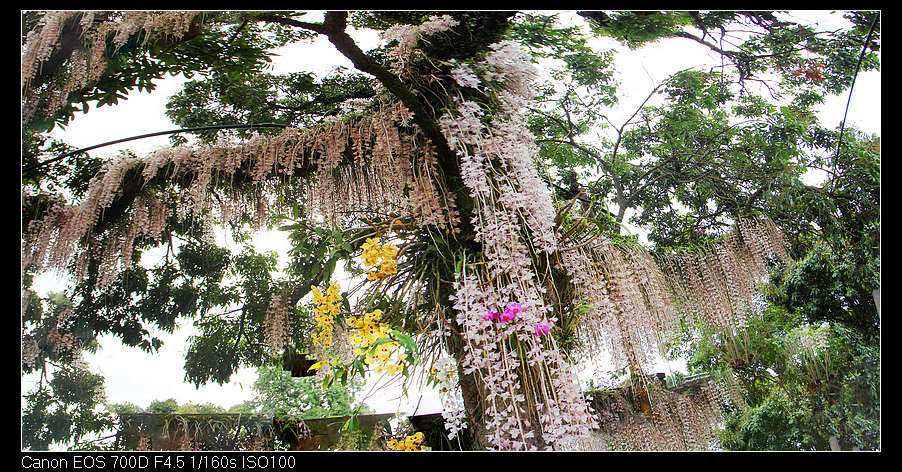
864, 49
38, 165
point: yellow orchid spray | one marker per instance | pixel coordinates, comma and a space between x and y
410, 443
326, 306
367, 330
383, 257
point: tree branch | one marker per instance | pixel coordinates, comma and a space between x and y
334, 28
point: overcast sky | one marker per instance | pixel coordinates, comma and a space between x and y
135, 377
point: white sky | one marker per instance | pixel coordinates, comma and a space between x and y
139, 378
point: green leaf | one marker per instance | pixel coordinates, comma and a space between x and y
359, 367
406, 341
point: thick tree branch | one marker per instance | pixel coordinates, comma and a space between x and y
334, 27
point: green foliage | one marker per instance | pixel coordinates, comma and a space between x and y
64, 411
315, 251
200, 409
854, 415
169, 406
804, 383
296, 99
126, 408
276, 394
581, 65
69, 176
230, 339
832, 286
163, 407
279, 394
636, 29
799, 412
802, 56
775, 425
573, 102
838, 263
712, 151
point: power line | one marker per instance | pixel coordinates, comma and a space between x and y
148, 135
864, 49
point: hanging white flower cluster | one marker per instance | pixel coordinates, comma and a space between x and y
637, 317
393, 170
363, 165
86, 63
716, 285
679, 421
453, 412
406, 38
500, 303
66, 233
64, 341
277, 325
633, 303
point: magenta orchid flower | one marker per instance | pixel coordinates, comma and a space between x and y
510, 314
542, 328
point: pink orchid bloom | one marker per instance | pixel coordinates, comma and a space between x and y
510, 314
542, 328
491, 315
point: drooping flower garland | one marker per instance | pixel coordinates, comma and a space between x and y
277, 325
716, 286
499, 302
380, 179
633, 303
444, 373
87, 63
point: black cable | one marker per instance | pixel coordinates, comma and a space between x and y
159, 133
867, 42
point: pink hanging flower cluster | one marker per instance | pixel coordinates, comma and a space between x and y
514, 220
509, 315
491, 355
406, 37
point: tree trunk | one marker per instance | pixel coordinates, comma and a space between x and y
473, 395
475, 411
488, 28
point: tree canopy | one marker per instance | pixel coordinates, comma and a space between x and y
467, 178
